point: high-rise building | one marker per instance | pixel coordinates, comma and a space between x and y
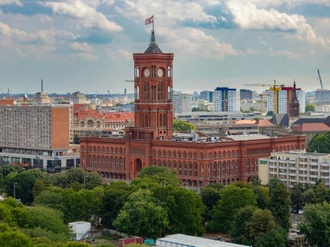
226, 99
279, 99
182, 102
207, 95
246, 94
37, 136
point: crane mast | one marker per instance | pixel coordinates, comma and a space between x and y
318, 72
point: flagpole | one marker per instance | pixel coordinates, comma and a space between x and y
153, 23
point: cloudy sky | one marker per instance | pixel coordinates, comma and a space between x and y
87, 45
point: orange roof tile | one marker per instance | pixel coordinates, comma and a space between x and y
82, 114
118, 116
264, 123
312, 127
247, 121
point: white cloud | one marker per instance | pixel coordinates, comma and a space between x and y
84, 55
119, 54
282, 53
193, 40
81, 47
86, 14
248, 16
37, 44
166, 12
288, 3
10, 2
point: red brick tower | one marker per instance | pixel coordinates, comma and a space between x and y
294, 104
153, 87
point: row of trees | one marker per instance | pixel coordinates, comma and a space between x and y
155, 204
252, 214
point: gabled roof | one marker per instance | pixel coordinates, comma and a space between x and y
311, 127
264, 123
280, 119
309, 120
88, 113
119, 116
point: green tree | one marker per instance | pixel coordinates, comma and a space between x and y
279, 203
309, 108
321, 192
296, 197
179, 125
160, 175
315, 224
273, 238
239, 229
232, 199
262, 196
48, 219
7, 169
308, 196
185, 214
115, 195
260, 223
320, 143
22, 184
210, 197
142, 215
61, 180
13, 238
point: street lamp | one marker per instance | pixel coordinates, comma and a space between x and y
15, 190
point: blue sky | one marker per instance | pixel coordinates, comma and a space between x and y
87, 45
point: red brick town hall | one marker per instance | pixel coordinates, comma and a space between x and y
152, 141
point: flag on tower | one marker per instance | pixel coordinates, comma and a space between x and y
149, 20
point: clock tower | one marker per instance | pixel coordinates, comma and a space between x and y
153, 89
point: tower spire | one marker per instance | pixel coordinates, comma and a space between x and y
153, 47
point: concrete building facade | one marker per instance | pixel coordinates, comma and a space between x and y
182, 102
279, 99
295, 167
226, 99
37, 136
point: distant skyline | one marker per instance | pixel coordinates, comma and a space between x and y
87, 45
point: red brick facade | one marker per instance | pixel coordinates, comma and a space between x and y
149, 142
196, 163
60, 127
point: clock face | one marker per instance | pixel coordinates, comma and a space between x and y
160, 72
146, 72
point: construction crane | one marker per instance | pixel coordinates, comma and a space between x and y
273, 87
318, 72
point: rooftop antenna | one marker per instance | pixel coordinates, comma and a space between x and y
42, 85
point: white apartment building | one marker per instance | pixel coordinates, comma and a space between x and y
294, 167
37, 136
226, 100
182, 103
278, 101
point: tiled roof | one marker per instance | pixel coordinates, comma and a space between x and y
82, 114
309, 120
246, 121
119, 116
311, 127
265, 123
